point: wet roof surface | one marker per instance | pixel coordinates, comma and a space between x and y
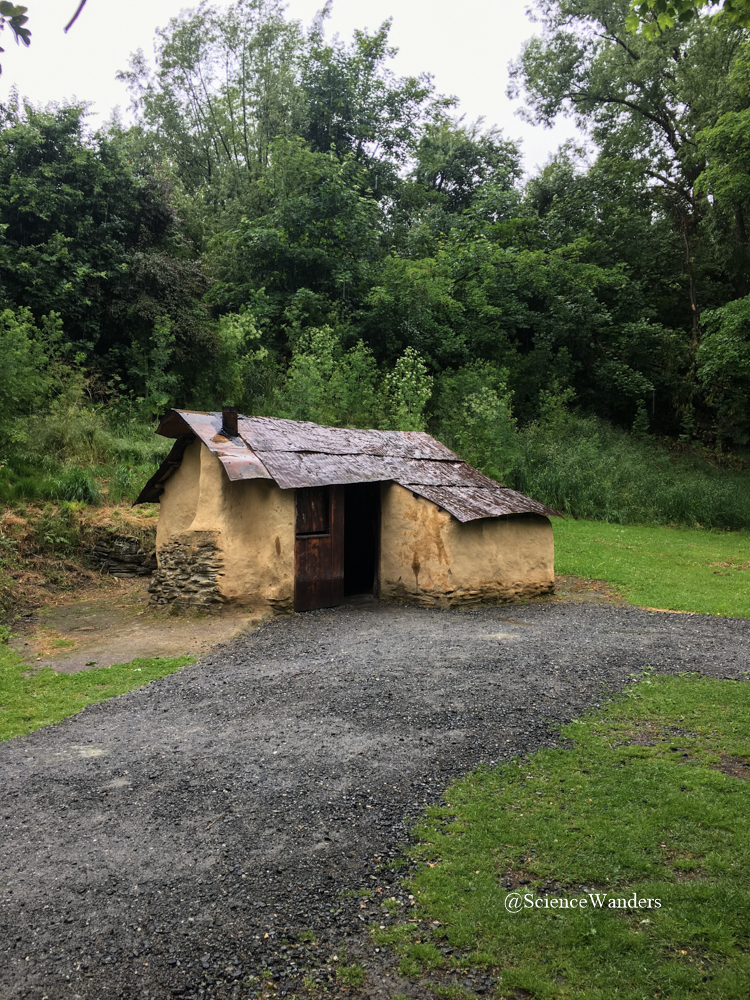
296, 454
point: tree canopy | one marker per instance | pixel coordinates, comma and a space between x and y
652, 17
291, 227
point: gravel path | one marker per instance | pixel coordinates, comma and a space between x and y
171, 841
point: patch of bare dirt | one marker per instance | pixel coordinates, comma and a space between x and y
116, 625
688, 875
735, 767
644, 736
67, 616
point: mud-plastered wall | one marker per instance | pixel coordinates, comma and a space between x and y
430, 558
246, 528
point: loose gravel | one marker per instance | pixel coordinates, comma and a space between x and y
178, 840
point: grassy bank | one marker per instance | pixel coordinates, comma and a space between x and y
585, 467
32, 698
670, 568
650, 801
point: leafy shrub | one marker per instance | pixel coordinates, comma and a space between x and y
241, 370
331, 386
22, 376
408, 388
724, 368
473, 406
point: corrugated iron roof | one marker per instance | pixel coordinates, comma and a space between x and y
238, 459
297, 453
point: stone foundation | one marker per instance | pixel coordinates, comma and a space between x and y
280, 605
494, 593
252, 519
189, 567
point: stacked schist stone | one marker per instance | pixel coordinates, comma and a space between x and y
188, 571
122, 556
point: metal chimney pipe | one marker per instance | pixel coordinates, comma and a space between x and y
229, 421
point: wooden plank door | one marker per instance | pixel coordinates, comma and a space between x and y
319, 548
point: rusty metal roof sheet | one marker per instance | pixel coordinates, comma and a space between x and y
296, 469
274, 434
468, 503
298, 453
235, 455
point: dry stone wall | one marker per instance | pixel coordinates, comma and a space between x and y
122, 555
189, 567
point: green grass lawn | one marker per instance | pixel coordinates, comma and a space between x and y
674, 568
32, 698
651, 799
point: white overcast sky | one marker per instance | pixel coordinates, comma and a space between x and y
465, 44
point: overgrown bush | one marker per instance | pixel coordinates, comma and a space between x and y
475, 417
23, 380
127, 481
69, 432
724, 368
345, 388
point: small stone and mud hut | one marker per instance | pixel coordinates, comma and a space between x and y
294, 516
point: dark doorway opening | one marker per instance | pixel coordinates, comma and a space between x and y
361, 538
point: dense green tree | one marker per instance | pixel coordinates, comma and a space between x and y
724, 369
225, 87
83, 235
653, 17
454, 162
356, 105
311, 249
293, 228
643, 103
